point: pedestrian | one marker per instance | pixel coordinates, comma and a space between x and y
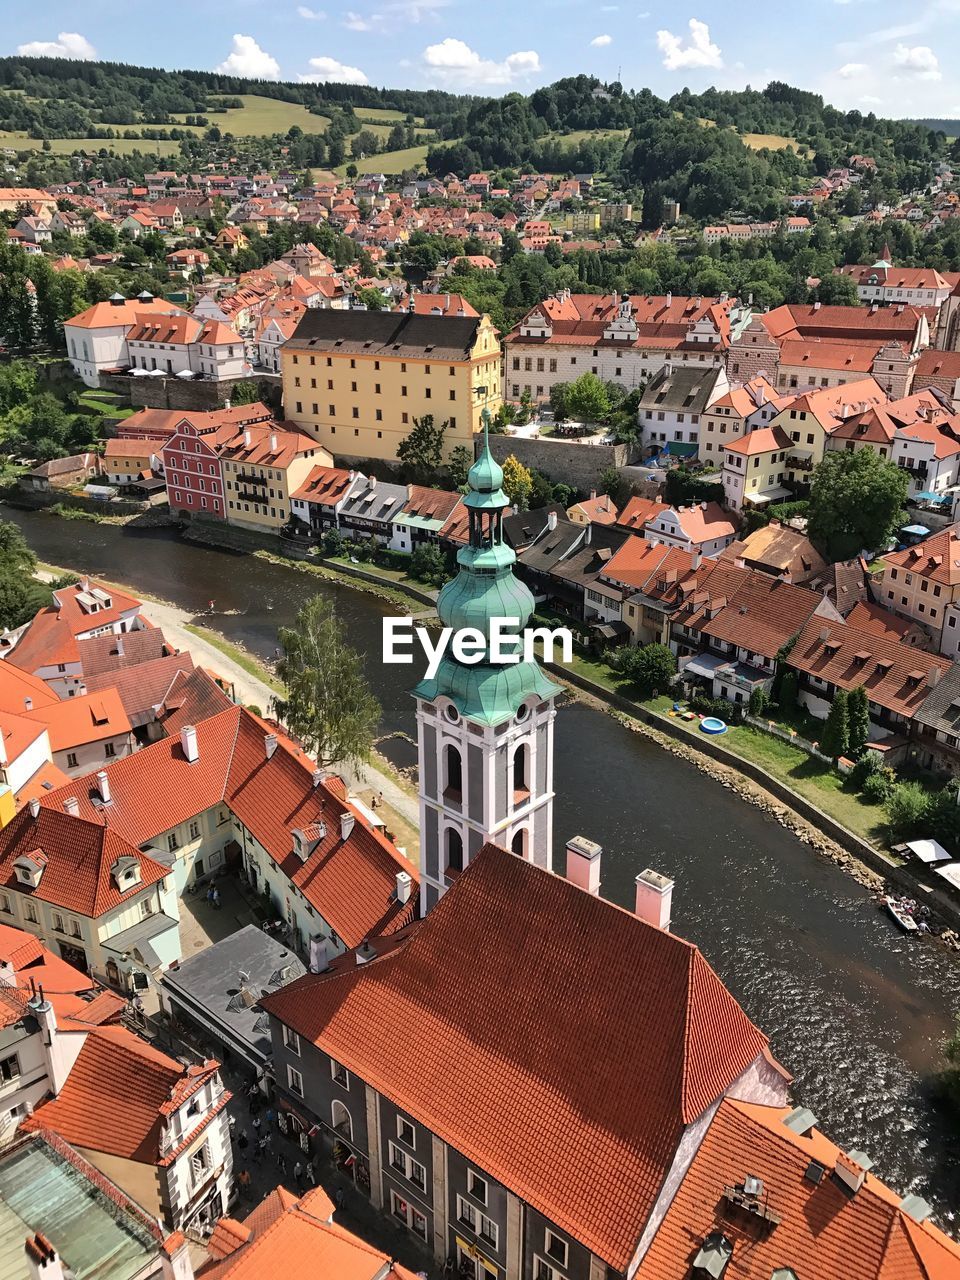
282, 1162
232, 1121
244, 1179
270, 1117
242, 1140
210, 893
298, 1175
216, 899
256, 1126
338, 1198
311, 1173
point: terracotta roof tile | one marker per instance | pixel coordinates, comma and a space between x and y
936, 558
587, 1148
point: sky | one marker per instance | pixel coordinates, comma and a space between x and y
874, 55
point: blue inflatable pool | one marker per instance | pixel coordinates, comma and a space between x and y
710, 724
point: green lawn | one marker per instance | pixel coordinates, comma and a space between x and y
389, 162
576, 136
66, 146
383, 113
251, 665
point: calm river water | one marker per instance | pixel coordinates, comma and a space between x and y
856, 1011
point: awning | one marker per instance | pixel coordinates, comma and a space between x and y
950, 873
137, 940
704, 664
611, 630
768, 495
916, 530
928, 496
928, 851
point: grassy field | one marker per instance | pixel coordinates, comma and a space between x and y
65, 146
389, 162
376, 113
576, 136
775, 141
243, 659
259, 116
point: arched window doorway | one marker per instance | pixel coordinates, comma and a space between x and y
341, 1120
454, 850
521, 773
520, 842
452, 773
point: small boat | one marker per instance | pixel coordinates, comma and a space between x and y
902, 913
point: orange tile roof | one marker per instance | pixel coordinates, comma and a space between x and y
844, 324
936, 558
109, 315
581, 318
352, 884
78, 1001
286, 1238
79, 854
598, 510
432, 504
47, 642
873, 618
271, 445
762, 613
580, 1147
117, 1074
763, 440
638, 511
821, 1232
816, 353
324, 485
895, 675
90, 717
47, 778
704, 521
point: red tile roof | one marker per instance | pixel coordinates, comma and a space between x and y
762, 613
820, 1231
664, 322
109, 315
78, 1001
844, 324
79, 854
598, 510
936, 558
101, 655
286, 1238
324, 485
350, 883
895, 675
143, 687
763, 440
445, 1028
117, 1074
867, 616
638, 511
90, 717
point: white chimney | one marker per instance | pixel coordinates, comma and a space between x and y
933, 676
696, 559
188, 740
103, 784
583, 864
852, 1169
551, 520
34, 807
317, 777
346, 825
404, 886
119, 646
654, 898
43, 1261
273, 442
365, 953
270, 744
28, 704
72, 806
248, 438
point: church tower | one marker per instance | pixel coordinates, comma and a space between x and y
484, 731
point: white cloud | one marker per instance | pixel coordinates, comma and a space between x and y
68, 44
869, 100
920, 61
698, 51
452, 61
850, 70
329, 69
600, 42
357, 22
246, 58
311, 15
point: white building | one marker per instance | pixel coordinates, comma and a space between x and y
97, 338
705, 527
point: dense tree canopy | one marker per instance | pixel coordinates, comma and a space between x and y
856, 501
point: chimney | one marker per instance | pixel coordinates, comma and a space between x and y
404, 886
654, 898
365, 953
43, 1261
34, 807
317, 777
593, 494
696, 559
346, 825
824, 634
119, 646
583, 864
270, 744
28, 704
669, 299
103, 785
72, 806
816, 305
851, 1169
247, 437
933, 675
551, 520
273, 442
188, 740
227, 404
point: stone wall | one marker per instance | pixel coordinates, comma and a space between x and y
190, 395
569, 461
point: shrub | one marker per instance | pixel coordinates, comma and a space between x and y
333, 542
652, 667
908, 807
878, 786
758, 702
788, 692
868, 764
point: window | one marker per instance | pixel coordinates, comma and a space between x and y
58, 922
75, 931
408, 1215
482, 1226
291, 1040
9, 1068
5, 901
556, 1248
341, 1119
194, 830
405, 1164
172, 842
295, 1081
453, 773
71, 760
406, 1132
476, 1186
200, 1162
339, 1074
30, 912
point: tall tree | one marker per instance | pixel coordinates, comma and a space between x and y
835, 740
855, 503
859, 711
327, 704
587, 398
517, 483
422, 449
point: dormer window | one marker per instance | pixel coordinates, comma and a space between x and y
126, 873
29, 868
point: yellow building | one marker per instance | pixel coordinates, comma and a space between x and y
356, 380
582, 220
262, 466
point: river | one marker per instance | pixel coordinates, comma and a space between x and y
854, 1009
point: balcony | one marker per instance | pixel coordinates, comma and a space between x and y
243, 477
